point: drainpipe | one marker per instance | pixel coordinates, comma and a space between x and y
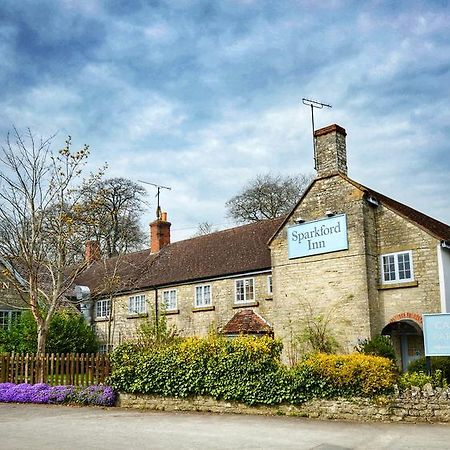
156, 310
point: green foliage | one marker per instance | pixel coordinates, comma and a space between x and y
21, 336
245, 369
154, 331
420, 379
441, 363
317, 333
350, 375
378, 346
68, 333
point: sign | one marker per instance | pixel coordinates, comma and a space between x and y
319, 236
436, 334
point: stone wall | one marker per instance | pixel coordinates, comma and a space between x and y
332, 284
187, 319
415, 405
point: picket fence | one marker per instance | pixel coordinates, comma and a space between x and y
54, 369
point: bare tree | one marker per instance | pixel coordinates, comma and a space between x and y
39, 197
266, 197
204, 228
111, 210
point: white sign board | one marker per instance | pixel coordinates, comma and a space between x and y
436, 334
319, 236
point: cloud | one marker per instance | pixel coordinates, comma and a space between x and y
203, 96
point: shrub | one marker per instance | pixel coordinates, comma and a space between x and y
441, 363
349, 375
68, 333
244, 369
378, 346
420, 379
42, 393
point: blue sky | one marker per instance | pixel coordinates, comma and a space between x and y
203, 95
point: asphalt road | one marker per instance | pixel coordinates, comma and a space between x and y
61, 427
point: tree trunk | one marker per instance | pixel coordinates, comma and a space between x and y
40, 366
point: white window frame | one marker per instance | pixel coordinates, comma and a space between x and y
397, 279
269, 284
105, 308
168, 293
137, 304
202, 303
9, 315
245, 300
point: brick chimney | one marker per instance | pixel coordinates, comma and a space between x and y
159, 233
331, 153
92, 252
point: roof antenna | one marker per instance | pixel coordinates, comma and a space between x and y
318, 105
158, 187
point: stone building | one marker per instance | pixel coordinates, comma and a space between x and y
346, 255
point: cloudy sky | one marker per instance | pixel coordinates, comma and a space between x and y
203, 95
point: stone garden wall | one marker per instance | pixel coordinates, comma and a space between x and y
415, 405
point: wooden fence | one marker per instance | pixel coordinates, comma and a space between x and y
54, 369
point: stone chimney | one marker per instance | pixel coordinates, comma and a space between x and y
92, 252
331, 153
159, 233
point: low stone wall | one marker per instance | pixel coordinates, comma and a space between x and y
415, 405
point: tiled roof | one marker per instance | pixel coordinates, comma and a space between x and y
223, 253
247, 322
434, 227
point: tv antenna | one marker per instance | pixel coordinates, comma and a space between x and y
158, 189
319, 105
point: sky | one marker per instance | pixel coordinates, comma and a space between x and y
202, 96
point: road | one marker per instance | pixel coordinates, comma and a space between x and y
63, 427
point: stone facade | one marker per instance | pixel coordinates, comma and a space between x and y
188, 319
345, 288
415, 405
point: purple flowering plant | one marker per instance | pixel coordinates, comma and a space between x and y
43, 393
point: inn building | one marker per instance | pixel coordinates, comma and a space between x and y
363, 262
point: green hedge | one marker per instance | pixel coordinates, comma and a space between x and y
244, 369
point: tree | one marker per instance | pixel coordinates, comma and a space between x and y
204, 228
40, 193
111, 210
68, 333
266, 197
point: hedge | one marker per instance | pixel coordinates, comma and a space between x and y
245, 369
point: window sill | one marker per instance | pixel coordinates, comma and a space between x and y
203, 308
245, 305
171, 312
101, 319
407, 284
137, 315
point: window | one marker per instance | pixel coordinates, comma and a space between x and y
8, 317
103, 309
137, 304
170, 299
269, 284
203, 295
245, 291
397, 267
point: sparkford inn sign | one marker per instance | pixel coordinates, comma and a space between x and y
320, 236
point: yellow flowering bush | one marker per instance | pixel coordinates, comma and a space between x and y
356, 373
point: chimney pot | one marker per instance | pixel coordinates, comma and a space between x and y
159, 233
331, 152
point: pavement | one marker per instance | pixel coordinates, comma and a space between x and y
64, 427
